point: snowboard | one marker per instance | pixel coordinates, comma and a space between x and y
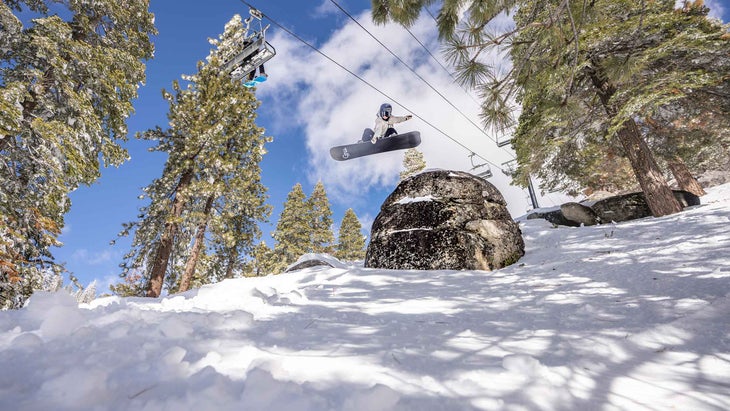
366, 148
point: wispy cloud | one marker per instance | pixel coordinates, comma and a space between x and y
717, 8
96, 257
324, 9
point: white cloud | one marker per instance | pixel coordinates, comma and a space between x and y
332, 106
94, 258
717, 9
325, 8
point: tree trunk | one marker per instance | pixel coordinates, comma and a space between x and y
162, 257
659, 196
187, 276
685, 179
231, 264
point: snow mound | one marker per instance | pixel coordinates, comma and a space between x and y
622, 316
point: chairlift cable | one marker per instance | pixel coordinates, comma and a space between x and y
453, 78
297, 37
481, 130
495, 140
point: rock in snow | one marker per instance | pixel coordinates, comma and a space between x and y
444, 220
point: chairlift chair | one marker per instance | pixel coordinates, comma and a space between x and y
509, 166
252, 56
502, 138
485, 174
255, 53
503, 143
255, 13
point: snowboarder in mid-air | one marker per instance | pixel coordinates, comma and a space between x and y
384, 124
384, 135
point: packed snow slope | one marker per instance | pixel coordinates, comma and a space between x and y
630, 316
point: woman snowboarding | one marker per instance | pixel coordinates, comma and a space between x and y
384, 124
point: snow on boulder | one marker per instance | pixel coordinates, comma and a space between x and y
443, 219
313, 260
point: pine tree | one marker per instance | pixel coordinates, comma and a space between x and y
351, 241
211, 180
132, 285
198, 244
583, 73
67, 82
621, 69
318, 205
263, 261
293, 230
413, 163
241, 204
693, 133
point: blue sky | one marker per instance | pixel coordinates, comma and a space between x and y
308, 105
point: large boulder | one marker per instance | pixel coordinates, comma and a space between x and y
554, 216
633, 206
618, 208
579, 214
624, 207
443, 219
568, 214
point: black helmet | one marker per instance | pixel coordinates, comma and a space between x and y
385, 110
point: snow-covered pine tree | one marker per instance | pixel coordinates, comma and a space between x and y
616, 81
693, 134
413, 163
584, 72
350, 240
132, 285
292, 233
211, 180
263, 261
322, 238
67, 79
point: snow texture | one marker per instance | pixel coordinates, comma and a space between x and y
629, 316
407, 200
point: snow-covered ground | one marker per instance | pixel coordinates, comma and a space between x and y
630, 316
